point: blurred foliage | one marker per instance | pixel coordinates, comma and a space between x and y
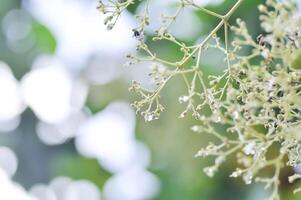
78, 168
45, 41
172, 146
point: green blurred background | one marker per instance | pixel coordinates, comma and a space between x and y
171, 144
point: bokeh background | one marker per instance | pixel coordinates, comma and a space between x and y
67, 130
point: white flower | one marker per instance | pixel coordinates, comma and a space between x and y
236, 173
236, 114
249, 149
183, 99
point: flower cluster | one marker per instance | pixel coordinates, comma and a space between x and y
257, 99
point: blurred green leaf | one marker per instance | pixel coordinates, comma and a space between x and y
45, 41
77, 167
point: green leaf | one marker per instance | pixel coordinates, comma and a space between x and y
45, 41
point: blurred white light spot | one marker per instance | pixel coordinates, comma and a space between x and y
55, 134
140, 72
214, 59
59, 185
10, 102
17, 25
135, 183
134, 154
80, 190
79, 94
109, 136
9, 125
43, 192
49, 134
157, 7
103, 69
64, 188
142, 155
8, 161
49, 91
189, 31
169, 7
208, 2
12, 191
78, 27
